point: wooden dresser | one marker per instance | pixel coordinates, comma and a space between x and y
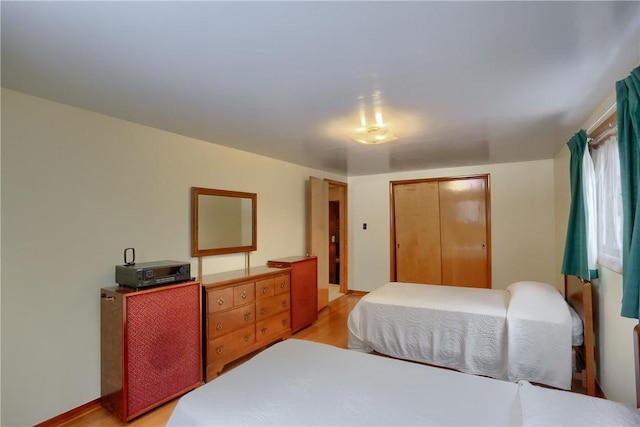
304, 289
151, 346
244, 310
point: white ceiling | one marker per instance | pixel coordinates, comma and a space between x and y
462, 82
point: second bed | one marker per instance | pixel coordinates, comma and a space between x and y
525, 332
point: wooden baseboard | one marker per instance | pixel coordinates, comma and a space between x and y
72, 414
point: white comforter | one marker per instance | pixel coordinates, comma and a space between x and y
302, 383
522, 333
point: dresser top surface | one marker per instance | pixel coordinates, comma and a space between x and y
292, 259
252, 273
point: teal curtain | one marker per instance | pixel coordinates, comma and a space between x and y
627, 94
575, 261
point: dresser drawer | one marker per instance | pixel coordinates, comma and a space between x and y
233, 296
219, 299
268, 329
282, 284
244, 294
222, 323
265, 288
227, 346
271, 306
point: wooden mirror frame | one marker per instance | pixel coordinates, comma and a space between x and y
196, 250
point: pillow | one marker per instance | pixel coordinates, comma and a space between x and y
529, 286
538, 301
577, 330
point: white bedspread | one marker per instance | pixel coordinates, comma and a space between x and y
302, 383
460, 328
546, 407
478, 331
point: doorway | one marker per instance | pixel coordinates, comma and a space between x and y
337, 211
334, 242
328, 237
334, 249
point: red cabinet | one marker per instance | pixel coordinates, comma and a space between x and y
150, 346
304, 289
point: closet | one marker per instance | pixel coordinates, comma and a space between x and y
440, 231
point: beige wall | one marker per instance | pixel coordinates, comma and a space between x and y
614, 334
522, 223
78, 188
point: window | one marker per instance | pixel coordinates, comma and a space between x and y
606, 163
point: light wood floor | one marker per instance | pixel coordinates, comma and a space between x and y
330, 328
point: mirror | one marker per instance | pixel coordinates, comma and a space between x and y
222, 222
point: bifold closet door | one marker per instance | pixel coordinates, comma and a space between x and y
417, 233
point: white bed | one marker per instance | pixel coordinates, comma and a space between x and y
521, 333
301, 383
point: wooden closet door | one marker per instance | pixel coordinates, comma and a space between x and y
464, 232
417, 233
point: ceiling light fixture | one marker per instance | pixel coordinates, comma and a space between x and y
377, 133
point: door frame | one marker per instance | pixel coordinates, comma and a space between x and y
392, 227
342, 188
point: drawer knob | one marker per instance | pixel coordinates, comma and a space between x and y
220, 300
284, 303
265, 289
246, 338
282, 285
264, 330
219, 349
219, 326
243, 295
284, 322
263, 310
247, 315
